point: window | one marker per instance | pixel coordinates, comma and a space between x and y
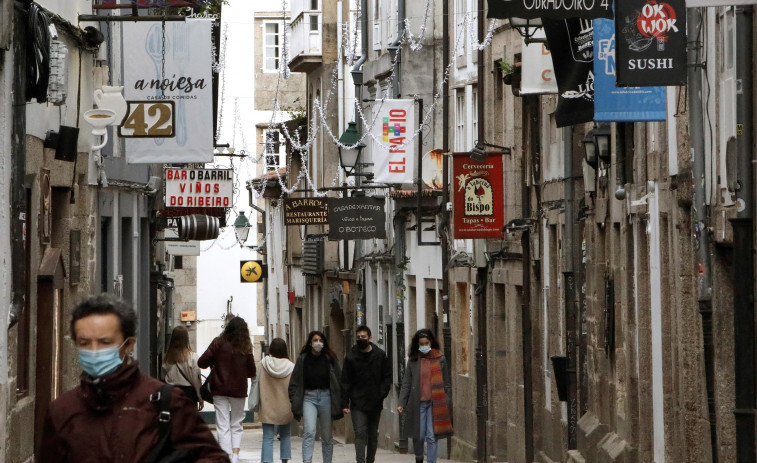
272, 149
460, 112
178, 263
271, 47
314, 5
460, 34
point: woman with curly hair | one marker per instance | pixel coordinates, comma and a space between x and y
315, 394
230, 357
425, 394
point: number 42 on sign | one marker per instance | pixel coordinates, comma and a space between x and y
148, 119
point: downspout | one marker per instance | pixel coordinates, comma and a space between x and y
18, 167
696, 124
445, 229
743, 245
571, 304
482, 410
395, 48
400, 224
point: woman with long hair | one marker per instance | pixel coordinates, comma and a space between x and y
230, 357
315, 394
425, 394
180, 366
275, 411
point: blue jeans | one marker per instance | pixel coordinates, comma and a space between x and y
426, 433
317, 405
269, 430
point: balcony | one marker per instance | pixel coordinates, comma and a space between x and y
306, 49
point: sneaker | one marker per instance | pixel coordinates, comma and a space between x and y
235, 458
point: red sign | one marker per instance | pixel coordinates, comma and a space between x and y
478, 197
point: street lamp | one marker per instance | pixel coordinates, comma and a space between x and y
602, 136
477, 153
242, 228
590, 149
350, 157
527, 29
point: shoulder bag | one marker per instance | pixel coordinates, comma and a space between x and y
205, 392
163, 451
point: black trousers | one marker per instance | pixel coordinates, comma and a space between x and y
366, 434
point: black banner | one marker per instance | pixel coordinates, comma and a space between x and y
554, 9
358, 218
571, 42
650, 43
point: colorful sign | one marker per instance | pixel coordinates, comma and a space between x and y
572, 44
358, 218
620, 104
252, 271
555, 9
168, 87
478, 197
537, 70
393, 150
651, 43
199, 187
305, 211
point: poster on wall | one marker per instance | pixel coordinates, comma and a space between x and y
168, 88
393, 150
478, 197
651, 43
538, 72
572, 44
555, 9
620, 104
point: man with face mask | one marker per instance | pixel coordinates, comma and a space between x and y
366, 380
112, 414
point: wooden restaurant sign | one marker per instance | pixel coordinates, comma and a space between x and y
554, 9
305, 211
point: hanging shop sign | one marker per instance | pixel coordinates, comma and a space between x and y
252, 271
478, 197
179, 248
199, 187
620, 104
168, 88
651, 43
555, 9
393, 151
572, 44
538, 72
305, 211
358, 218
699, 3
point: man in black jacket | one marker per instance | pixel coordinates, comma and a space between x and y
366, 380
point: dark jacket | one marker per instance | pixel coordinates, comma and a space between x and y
410, 396
113, 420
230, 370
366, 379
297, 388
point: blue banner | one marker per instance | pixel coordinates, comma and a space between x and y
620, 104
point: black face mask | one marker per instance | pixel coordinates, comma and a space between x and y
362, 343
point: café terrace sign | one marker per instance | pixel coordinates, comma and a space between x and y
554, 9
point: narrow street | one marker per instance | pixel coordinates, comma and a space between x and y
252, 441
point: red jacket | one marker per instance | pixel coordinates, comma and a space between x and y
230, 370
112, 420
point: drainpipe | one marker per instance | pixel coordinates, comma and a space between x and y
357, 71
571, 304
446, 228
400, 232
482, 409
18, 168
743, 246
395, 48
696, 121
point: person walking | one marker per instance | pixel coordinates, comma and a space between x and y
230, 357
315, 394
366, 381
113, 414
424, 396
275, 412
180, 366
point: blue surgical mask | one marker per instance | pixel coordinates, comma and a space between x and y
98, 363
424, 349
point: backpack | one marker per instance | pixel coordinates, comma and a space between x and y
163, 451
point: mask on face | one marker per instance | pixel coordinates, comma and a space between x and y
424, 349
98, 363
362, 344
317, 346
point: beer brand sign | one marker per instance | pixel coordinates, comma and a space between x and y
199, 187
555, 9
478, 197
305, 211
651, 43
393, 151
